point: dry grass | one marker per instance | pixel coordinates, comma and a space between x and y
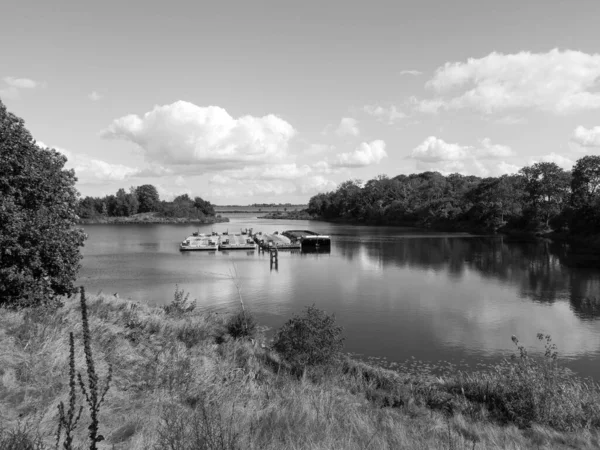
175, 387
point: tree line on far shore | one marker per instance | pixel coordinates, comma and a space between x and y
541, 197
143, 199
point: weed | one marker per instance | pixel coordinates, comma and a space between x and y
93, 394
202, 428
241, 325
527, 390
67, 420
20, 438
180, 304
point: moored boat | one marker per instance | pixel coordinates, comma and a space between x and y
199, 242
308, 239
236, 242
275, 240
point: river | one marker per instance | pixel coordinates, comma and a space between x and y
398, 292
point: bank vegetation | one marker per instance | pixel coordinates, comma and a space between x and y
178, 377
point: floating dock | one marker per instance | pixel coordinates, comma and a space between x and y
308, 239
276, 240
236, 242
199, 242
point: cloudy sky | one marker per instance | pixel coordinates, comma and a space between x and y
251, 102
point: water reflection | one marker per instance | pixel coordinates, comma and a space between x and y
398, 292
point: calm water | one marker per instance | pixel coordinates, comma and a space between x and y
398, 292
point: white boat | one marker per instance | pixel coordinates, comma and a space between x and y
199, 242
236, 242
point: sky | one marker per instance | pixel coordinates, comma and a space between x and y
274, 101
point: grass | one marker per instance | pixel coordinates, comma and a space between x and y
180, 381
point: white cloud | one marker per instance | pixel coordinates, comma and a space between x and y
431, 106
482, 160
469, 167
364, 155
13, 86
90, 170
559, 160
169, 192
316, 184
22, 83
488, 150
434, 149
556, 81
184, 133
348, 126
251, 188
388, 115
410, 72
285, 172
587, 137
315, 149
94, 96
510, 120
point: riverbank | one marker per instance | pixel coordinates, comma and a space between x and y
179, 377
289, 215
151, 218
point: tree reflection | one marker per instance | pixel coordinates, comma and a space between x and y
540, 269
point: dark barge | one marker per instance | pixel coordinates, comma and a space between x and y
308, 239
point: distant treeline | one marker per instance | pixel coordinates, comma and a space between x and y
258, 205
541, 197
143, 199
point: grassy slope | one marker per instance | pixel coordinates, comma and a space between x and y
170, 367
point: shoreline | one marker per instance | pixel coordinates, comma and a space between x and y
151, 220
190, 352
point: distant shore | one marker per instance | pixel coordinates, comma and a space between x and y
290, 215
151, 218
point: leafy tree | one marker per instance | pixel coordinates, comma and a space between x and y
39, 244
547, 187
495, 200
585, 183
125, 204
585, 194
204, 206
148, 198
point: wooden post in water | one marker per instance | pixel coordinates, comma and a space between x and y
274, 257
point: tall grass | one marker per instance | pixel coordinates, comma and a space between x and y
178, 383
528, 390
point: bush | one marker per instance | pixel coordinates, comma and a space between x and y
203, 427
241, 325
181, 303
20, 438
309, 340
39, 243
529, 390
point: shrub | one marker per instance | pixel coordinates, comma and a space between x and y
203, 427
241, 325
181, 303
527, 390
309, 340
20, 438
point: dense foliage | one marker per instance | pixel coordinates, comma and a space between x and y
143, 199
39, 245
309, 340
540, 197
